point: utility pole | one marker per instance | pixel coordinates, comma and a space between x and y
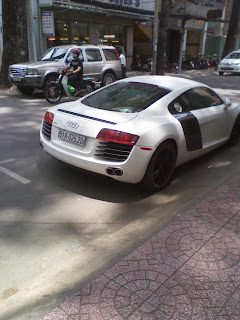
182, 43
155, 37
30, 30
183, 39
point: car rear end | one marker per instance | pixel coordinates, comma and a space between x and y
92, 144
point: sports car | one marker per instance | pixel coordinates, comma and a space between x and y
139, 129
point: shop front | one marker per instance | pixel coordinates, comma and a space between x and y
107, 22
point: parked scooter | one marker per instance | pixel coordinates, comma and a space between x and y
59, 88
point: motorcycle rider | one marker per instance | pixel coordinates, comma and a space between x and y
76, 66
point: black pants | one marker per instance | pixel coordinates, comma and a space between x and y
123, 72
72, 78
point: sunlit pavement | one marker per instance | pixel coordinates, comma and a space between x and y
65, 243
189, 270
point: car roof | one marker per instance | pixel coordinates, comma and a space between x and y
84, 45
170, 83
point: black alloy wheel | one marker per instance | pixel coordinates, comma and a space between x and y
53, 93
25, 90
161, 167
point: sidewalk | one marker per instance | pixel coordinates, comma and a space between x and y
189, 270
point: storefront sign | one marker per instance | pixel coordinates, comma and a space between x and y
48, 24
196, 8
131, 3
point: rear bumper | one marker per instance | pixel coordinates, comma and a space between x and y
133, 168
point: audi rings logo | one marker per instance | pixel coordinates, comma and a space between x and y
72, 124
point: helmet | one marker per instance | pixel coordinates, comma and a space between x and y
76, 51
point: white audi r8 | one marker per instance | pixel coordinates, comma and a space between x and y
140, 129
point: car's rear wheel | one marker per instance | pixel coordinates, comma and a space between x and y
108, 78
26, 90
221, 73
161, 167
53, 93
235, 134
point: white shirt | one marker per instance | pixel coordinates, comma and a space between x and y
122, 60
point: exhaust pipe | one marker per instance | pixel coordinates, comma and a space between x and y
114, 171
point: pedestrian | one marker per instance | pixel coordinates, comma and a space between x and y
123, 63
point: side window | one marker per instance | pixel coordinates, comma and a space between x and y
110, 54
203, 98
180, 105
93, 55
70, 56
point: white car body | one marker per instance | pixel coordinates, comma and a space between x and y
230, 64
153, 125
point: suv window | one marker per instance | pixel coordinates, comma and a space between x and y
55, 54
70, 56
110, 54
93, 55
203, 98
125, 97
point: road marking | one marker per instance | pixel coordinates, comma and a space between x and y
13, 174
7, 161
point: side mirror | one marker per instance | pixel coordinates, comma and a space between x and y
227, 103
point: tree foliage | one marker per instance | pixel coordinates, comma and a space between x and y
15, 45
230, 43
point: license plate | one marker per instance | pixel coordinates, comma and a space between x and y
71, 137
17, 79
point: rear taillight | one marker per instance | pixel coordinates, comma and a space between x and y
117, 136
49, 117
117, 54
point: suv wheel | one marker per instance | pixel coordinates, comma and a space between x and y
25, 90
221, 73
108, 78
51, 78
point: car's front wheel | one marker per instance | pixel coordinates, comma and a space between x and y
221, 73
108, 78
161, 167
25, 90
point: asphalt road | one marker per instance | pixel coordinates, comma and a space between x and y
61, 227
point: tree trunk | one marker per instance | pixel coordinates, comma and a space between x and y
162, 37
230, 44
15, 44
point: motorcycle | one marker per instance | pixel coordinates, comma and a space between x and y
59, 88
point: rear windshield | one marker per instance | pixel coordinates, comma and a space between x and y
125, 97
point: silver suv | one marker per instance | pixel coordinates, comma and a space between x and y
99, 62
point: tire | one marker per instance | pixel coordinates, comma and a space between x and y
108, 78
235, 133
26, 90
221, 73
53, 93
49, 80
89, 88
160, 168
